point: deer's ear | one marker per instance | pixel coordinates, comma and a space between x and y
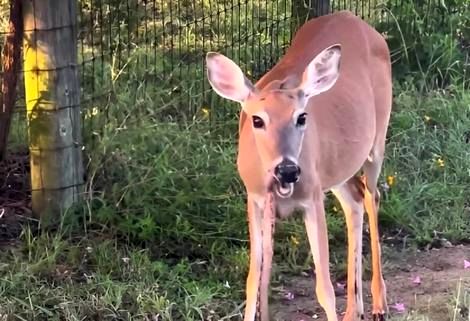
227, 79
322, 72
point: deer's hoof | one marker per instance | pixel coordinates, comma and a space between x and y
355, 316
378, 317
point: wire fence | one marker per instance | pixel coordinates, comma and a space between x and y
159, 45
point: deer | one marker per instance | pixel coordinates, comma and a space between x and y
315, 123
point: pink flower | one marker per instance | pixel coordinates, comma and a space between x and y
399, 307
466, 264
417, 280
289, 296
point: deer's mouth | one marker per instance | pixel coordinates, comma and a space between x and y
282, 189
285, 175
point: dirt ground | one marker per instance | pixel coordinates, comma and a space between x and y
15, 196
440, 270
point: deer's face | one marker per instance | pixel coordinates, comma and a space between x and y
278, 121
277, 112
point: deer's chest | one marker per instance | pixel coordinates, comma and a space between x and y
285, 207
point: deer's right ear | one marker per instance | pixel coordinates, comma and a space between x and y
227, 79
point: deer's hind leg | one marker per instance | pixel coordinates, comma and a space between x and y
351, 197
382, 88
372, 168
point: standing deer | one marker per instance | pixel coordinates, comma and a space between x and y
309, 126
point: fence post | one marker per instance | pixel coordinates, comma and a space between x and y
322, 7
300, 13
52, 95
302, 10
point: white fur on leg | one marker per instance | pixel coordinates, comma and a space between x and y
315, 223
256, 252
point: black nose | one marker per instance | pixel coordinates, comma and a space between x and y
287, 172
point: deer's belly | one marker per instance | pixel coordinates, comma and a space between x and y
340, 164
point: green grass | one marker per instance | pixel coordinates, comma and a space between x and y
163, 230
50, 278
155, 181
427, 153
94, 277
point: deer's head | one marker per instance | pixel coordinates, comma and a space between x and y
278, 111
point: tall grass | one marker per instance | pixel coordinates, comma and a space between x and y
156, 177
161, 151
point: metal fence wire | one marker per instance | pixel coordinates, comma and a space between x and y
160, 45
145, 58
154, 49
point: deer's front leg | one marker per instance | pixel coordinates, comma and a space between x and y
256, 252
315, 223
267, 257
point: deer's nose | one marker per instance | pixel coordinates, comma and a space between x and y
287, 172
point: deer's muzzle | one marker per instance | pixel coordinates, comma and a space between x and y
287, 172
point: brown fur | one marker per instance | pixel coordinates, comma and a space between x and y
345, 132
344, 122
346, 125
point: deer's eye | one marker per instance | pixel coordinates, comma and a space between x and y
258, 122
301, 120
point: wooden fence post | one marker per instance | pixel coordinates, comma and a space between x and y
303, 10
322, 7
300, 13
52, 95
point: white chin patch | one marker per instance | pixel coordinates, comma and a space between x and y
285, 191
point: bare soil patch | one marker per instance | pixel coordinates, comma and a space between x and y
440, 270
15, 195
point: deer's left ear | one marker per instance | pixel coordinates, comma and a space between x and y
322, 72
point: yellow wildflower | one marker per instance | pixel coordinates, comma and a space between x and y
91, 112
440, 162
294, 240
205, 111
335, 209
391, 180
427, 118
